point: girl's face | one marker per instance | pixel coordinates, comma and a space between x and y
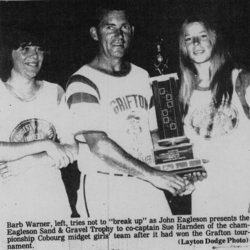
197, 43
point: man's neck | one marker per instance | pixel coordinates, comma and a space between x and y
116, 67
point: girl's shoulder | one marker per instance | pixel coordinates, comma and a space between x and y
242, 80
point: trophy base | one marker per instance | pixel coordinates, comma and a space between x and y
183, 168
173, 141
186, 172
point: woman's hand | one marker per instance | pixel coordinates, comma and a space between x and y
13, 168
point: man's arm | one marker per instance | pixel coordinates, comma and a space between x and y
110, 152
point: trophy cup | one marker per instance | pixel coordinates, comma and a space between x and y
175, 154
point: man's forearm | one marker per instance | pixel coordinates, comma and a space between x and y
111, 153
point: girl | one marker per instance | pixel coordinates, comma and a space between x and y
214, 102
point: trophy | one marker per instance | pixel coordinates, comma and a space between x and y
175, 154
160, 63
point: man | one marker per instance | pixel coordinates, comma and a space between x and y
109, 99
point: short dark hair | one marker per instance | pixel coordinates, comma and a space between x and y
15, 39
108, 6
22, 38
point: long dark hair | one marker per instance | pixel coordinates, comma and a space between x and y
220, 69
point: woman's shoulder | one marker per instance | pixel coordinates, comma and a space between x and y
53, 88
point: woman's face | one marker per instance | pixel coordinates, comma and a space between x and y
197, 43
28, 60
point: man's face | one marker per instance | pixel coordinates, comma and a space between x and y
114, 35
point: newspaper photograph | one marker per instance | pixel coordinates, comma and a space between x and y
124, 125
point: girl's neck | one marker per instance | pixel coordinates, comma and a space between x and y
203, 74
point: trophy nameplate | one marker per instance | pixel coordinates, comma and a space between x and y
174, 153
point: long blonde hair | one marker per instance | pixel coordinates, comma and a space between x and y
220, 67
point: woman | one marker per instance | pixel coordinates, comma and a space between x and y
30, 124
215, 118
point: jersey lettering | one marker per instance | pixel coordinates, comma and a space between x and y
129, 102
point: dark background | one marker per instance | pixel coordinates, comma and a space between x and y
66, 28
